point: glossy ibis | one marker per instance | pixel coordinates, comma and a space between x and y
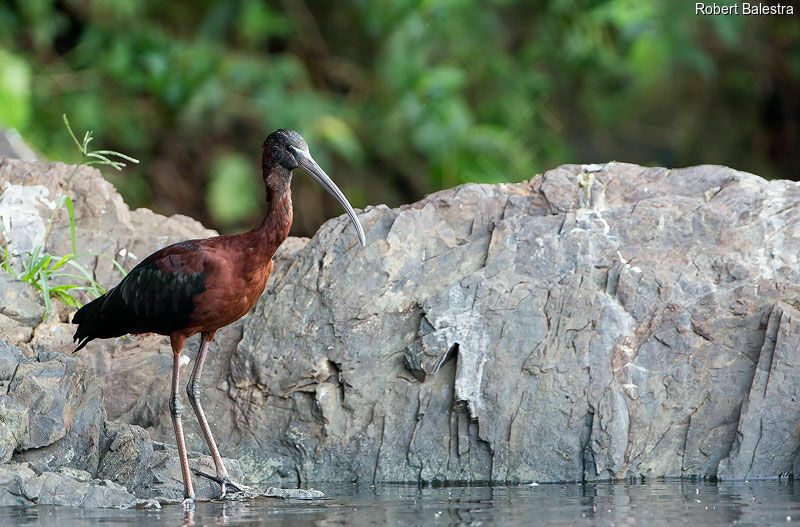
199, 286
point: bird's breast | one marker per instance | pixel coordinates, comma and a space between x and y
231, 299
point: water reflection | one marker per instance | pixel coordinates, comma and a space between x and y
652, 503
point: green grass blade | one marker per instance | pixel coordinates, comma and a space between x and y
71, 133
44, 287
71, 213
87, 275
115, 154
116, 264
28, 264
99, 156
113, 164
38, 266
7, 264
85, 272
65, 297
68, 275
65, 287
87, 138
61, 262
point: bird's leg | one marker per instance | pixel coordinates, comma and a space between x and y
176, 410
193, 389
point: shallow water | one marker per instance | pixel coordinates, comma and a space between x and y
675, 503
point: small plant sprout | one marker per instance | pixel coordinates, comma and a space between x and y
40, 268
96, 157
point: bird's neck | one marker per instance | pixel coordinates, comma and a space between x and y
278, 220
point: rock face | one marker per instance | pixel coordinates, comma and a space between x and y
65, 412
598, 321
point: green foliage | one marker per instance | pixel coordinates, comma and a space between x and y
402, 98
15, 80
233, 193
41, 269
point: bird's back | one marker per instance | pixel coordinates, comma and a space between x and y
156, 296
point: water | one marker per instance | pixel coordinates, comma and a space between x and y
674, 503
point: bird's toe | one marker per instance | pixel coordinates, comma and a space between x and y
232, 490
229, 489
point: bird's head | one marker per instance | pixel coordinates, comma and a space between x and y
280, 148
288, 149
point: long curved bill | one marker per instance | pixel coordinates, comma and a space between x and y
311, 167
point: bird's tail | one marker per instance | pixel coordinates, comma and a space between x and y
87, 319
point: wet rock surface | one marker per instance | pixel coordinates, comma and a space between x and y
596, 322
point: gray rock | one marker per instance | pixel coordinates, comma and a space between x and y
293, 494
127, 450
21, 485
151, 470
65, 412
13, 426
10, 357
20, 301
768, 424
15, 487
13, 415
596, 322
585, 325
12, 331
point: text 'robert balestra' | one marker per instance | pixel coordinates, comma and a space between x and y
743, 9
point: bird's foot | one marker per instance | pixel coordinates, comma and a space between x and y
239, 490
188, 503
226, 484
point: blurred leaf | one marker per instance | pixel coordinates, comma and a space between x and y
43, 21
649, 58
15, 100
257, 23
234, 193
340, 136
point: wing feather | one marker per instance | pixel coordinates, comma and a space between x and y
155, 296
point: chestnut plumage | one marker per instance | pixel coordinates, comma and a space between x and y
200, 286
